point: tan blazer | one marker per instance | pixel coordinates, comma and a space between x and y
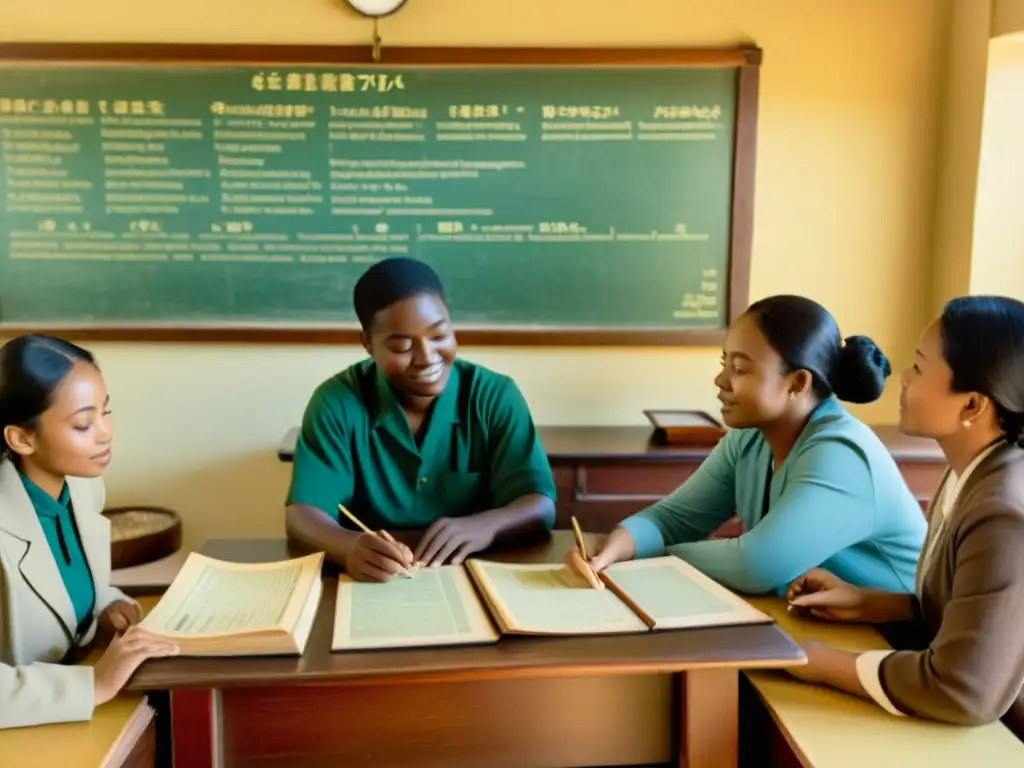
37, 620
972, 603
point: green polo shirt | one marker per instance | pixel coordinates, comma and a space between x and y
59, 524
479, 450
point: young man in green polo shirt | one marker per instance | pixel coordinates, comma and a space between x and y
414, 438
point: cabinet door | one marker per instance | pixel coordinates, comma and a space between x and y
602, 515
635, 478
602, 494
605, 494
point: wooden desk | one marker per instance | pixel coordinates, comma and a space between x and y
605, 474
816, 727
122, 733
618, 700
150, 578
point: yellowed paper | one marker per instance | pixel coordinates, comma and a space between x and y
214, 598
539, 599
437, 607
676, 595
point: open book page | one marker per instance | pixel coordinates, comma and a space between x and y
537, 599
438, 606
674, 594
304, 624
215, 598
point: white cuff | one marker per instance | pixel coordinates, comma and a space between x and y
869, 667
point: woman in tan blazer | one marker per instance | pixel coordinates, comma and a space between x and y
966, 390
54, 543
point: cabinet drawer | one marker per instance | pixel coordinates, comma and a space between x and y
601, 495
922, 478
565, 482
662, 479
631, 479
602, 514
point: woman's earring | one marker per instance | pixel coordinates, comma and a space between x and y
792, 395
966, 423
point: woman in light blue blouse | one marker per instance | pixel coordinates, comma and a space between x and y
814, 486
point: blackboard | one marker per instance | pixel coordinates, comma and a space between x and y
209, 192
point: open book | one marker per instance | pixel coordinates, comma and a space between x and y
218, 608
440, 607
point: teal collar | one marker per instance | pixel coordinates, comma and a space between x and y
43, 502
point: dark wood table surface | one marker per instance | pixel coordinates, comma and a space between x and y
668, 697
763, 645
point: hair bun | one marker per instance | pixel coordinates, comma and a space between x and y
861, 371
1013, 425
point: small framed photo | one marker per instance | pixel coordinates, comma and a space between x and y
672, 427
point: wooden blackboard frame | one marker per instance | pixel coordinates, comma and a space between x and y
746, 59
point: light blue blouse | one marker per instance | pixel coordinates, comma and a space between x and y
838, 501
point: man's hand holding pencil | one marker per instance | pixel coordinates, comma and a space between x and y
376, 555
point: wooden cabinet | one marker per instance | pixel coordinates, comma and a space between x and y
604, 474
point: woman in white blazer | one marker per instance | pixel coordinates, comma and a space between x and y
54, 543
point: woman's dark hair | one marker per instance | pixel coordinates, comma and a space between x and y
983, 343
31, 369
807, 337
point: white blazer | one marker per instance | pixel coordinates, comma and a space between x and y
37, 620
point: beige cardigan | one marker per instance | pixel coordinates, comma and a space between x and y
37, 620
972, 604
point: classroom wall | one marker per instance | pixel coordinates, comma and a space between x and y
964, 67
1007, 17
997, 262
847, 150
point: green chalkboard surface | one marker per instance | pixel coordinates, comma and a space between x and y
582, 201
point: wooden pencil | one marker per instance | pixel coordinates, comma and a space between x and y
579, 539
366, 529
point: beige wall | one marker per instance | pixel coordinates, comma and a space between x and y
961, 103
997, 263
1007, 17
979, 233
846, 171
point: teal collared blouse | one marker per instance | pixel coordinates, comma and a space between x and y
62, 535
479, 449
838, 501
